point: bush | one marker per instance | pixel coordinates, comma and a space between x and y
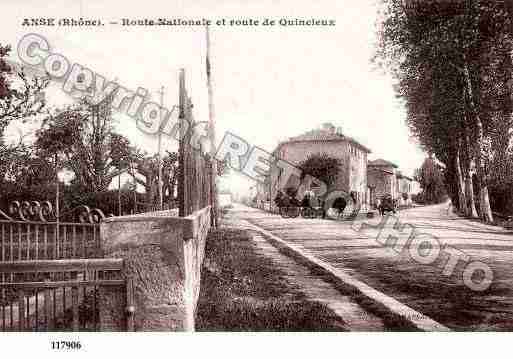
107, 201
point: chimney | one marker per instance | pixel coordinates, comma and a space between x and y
328, 126
339, 131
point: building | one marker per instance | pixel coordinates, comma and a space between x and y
352, 174
382, 180
385, 179
260, 191
404, 189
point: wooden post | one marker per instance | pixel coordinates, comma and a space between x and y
160, 183
182, 188
119, 195
211, 111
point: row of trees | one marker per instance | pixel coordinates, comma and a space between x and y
452, 61
431, 179
79, 139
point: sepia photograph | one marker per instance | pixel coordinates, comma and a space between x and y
311, 169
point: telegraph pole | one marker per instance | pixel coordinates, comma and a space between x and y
211, 113
57, 201
119, 194
161, 195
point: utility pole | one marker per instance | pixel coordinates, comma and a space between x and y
119, 195
57, 201
183, 194
161, 195
211, 113
135, 196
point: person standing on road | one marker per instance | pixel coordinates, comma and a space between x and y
449, 208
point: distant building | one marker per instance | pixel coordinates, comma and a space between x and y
415, 187
384, 178
260, 191
352, 174
404, 189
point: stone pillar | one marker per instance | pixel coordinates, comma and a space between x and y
163, 257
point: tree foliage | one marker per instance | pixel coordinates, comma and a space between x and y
431, 179
21, 96
322, 167
81, 139
144, 169
452, 65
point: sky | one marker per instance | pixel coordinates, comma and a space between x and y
270, 83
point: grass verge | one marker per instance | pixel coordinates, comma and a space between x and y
242, 290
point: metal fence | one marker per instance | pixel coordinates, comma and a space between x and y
58, 295
31, 231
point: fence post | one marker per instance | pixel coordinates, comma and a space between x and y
130, 305
21, 310
75, 304
48, 308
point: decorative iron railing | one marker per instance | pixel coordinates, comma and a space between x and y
32, 230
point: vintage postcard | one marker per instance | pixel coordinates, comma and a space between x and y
264, 166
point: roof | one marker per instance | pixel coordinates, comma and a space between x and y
400, 175
323, 135
382, 163
381, 170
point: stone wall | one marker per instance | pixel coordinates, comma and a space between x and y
163, 257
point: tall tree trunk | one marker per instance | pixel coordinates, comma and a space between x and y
462, 199
150, 189
469, 183
484, 199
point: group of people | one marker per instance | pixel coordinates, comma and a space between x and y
387, 204
309, 201
289, 199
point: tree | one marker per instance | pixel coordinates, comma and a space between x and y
81, 138
223, 168
25, 175
444, 56
144, 169
20, 95
20, 98
431, 179
322, 167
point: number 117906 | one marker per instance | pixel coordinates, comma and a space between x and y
66, 345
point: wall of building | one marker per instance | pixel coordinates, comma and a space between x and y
383, 182
353, 170
405, 187
358, 174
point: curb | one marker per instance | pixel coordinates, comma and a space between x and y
384, 305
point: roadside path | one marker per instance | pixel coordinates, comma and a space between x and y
313, 286
421, 287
